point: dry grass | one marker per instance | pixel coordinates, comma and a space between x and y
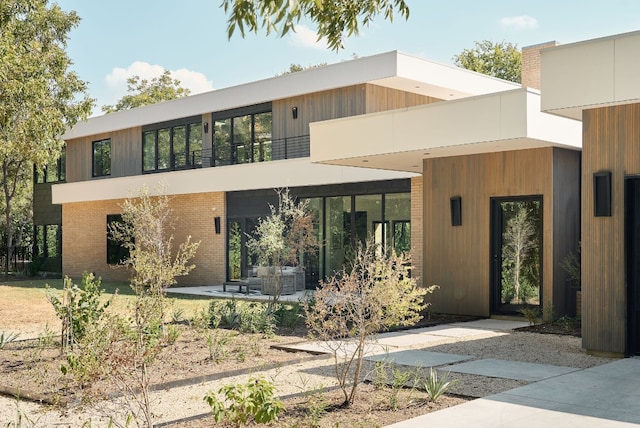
24, 306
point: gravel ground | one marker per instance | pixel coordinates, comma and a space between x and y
177, 403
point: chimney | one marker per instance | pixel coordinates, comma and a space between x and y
531, 64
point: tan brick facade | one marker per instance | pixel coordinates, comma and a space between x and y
84, 238
531, 64
417, 238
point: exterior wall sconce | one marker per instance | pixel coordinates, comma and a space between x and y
456, 211
216, 223
602, 194
294, 112
206, 127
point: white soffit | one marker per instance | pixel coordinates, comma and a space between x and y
399, 139
391, 69
591, 74
263, 175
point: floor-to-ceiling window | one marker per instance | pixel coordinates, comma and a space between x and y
339, 221
242, 136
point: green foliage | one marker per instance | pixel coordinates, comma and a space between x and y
531, 314
144, 231
143, 92
375, 294
283, 237
334, 20
243, 403
502, 60
572, 265
246, 317
78, 308
6, 338
41, 97
436, 386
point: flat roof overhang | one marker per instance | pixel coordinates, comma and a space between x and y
391, 69
400, 139
591, 74
263, 175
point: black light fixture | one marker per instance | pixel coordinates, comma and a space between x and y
216, 223
206, 127
294, 112
456, 211
602, 194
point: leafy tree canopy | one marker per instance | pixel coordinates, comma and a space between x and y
333, 19
143, 92
40, 98
502, 60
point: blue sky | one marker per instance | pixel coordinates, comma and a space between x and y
118, 38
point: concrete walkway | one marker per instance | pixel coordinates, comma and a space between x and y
602, 396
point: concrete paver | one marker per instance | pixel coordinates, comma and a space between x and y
510, 369
419, 358
602, 396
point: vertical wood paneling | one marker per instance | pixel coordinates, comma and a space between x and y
611, 142
458, 258
314, 107
126, 152
380, 98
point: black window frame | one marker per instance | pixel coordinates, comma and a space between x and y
191, 160
103, 171
59, 170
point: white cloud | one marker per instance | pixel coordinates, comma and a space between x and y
307, 38
522, 22
116, 80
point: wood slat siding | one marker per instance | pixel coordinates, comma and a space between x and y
611, 142
315, 107
380, 98
126, 152
458, 258
337, 103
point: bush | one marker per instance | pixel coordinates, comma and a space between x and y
78, 308
251, 401
246, 317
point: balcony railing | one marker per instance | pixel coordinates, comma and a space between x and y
283, 148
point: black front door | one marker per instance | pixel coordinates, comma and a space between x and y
516, 254
632, 234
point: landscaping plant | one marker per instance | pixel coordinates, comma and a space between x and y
78, 308
243, 403
376, 293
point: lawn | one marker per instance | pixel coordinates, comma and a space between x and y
24, 306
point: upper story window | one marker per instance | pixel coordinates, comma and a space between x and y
101, 158
53, 172
242, 138
172, 146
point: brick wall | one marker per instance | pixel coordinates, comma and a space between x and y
531, 64
84, 238
416, 227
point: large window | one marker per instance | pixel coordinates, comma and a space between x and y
172, 146
242, 138
102, 158
48, 240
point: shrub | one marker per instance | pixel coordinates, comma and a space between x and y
78, 308
434, 386
251, 401
376, 293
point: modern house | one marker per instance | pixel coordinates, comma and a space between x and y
463, 169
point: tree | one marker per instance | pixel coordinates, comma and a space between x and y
501, 60
374, 294
143, 92
41, 97
333, 19
283, 237
294, 68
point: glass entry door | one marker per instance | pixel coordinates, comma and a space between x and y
516, 253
